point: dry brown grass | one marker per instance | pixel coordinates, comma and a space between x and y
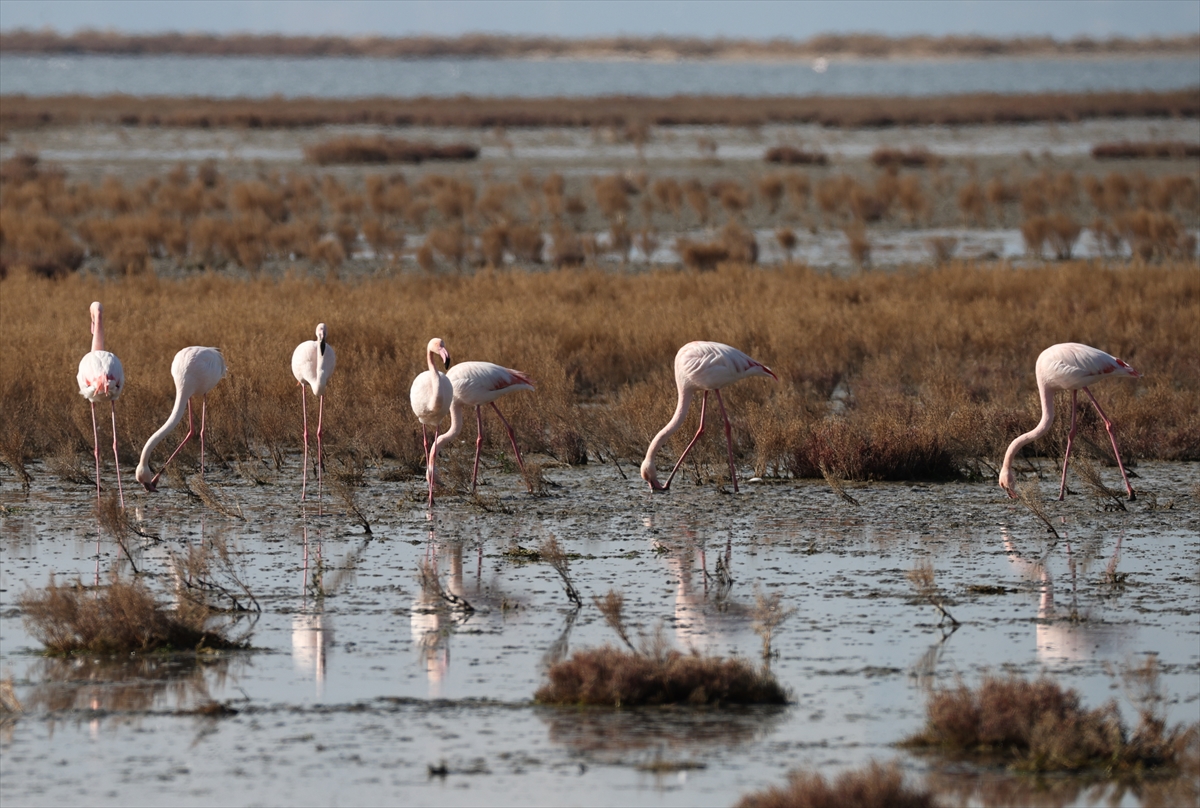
915, 157
937, 362
875, 786
613, 677
1041, 726
792, 156
119, 618
1142, 150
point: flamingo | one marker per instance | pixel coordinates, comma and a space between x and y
196, 370
702, 366
430, 396
313, 362
101, 378
476, 384
1069, 366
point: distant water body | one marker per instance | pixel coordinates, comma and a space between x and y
229, 77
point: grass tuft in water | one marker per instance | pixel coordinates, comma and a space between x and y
876, 786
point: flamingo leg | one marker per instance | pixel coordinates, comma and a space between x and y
304, 467
728, 442
430, 464
116, 458
203, 412
699, 432
320, 448
425, 443
513, 439
478, 445
186, 438
96, 452
1062, 488
1113, 439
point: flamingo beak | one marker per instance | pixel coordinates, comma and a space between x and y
445, 356
321, 346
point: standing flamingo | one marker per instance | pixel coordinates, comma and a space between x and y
477, 384
196, 370
701, 366
1069, 366
430, 395
313, 362
101, 378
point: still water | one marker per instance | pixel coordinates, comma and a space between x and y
226, 77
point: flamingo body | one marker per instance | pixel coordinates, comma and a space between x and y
430, 396
477, 384
196, 370
101, 378
1069, 366
701, 367
313, 362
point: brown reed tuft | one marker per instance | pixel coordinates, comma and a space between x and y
792, 156
1145, 150
379, 149
876, 786
915, 157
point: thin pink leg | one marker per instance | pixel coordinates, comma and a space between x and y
430, 464
1113, 439
728, 442
513, 439
425, 442
478, 445
186, 438
304, 472
96, 452
320, 450
696, 437
1062, 488
203, 412
116, 458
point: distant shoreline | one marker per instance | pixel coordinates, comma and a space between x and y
846, 47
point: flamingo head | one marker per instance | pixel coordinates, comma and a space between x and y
650, 475
94, 312
1006, 482
321, 338
437, 346
148, 480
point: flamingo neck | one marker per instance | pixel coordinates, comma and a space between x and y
1047, 397
98, 332
456, 425
172, 421
685, 401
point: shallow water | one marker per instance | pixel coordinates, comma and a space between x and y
351, 696
331, 77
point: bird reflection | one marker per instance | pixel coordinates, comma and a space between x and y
698, 591
431, 620
311, 638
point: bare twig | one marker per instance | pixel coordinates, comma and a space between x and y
1031, 497
553, 554
836, 484
431, 584
921, 577
612, 606
768, 613
1112, 498
208, 571
200, 489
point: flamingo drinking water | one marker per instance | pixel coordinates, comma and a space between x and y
196, 370
312, 364
1069, 366
101, 378
476, 384
430, 396
702, 366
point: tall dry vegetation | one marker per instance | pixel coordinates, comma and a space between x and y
937, 363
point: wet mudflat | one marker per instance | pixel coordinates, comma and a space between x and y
362, 689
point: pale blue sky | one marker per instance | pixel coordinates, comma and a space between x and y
579, 18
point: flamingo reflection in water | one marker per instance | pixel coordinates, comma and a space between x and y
698, 592
431, 621
311, 634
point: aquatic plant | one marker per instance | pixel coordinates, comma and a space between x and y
876, 786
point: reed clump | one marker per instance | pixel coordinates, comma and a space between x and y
350, 149
119, 618
1041, 726
875, 786
1146, 150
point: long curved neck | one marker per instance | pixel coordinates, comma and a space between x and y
172, 421
456, 425
685, 401
1047, 396
98, 332
320, 360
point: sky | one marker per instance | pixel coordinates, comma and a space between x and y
756, 19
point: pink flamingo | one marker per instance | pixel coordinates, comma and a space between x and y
196, 370
1069, 366
430, 396
702, 366
313, 362
476, 384
101, 378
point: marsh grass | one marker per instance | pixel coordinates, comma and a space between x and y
120, 617
875, 786
1040, 726
932, 366
209, 576
922, 579
768, 615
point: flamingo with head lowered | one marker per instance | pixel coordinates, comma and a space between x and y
1074, 367
702, 366
475, 385
430, 396
101, 378
312, 364
196, 370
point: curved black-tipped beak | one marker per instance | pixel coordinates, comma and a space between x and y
321, 346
